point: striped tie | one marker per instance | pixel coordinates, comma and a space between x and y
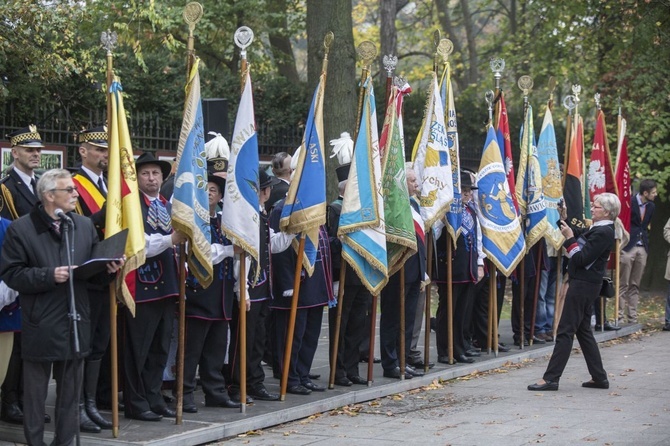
158, 218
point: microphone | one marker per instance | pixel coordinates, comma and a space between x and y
63, 216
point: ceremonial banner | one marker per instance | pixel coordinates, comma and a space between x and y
505, 144
432, 160
305, 206
573, 188
239, 219
601, 173
532, 207
400, 236
502, 239
362, 229
455, 212
547, 154
623, 177
190, 202
123, 197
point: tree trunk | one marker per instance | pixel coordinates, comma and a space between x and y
473, 59
447, 26
340, 98
388, 35
280, 41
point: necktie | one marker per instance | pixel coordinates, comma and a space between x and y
33, 185
56, 226
101, 187
158, 218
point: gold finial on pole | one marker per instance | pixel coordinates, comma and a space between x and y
552, 87
367, 52
192, 14
525, 83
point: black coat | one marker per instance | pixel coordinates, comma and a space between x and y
589, 251
16, 199
30, 254
639, 227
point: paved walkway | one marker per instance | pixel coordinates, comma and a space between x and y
494, 408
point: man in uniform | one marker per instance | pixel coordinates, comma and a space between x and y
156, 289
17, 198
281, 168
91, 203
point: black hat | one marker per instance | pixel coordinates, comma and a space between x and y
466, 180
266, 180
217, 165
26, 137
219, 181
148, 158
96, 136
342, 172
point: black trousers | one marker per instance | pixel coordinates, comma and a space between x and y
305, 340
529, 290
480, 311
68, 376
99, 305
576, 320
256, 341
389, 323
205, 349
147, 343
462, 297
355, 303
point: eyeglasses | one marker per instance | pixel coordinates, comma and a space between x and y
593, 206
69, 190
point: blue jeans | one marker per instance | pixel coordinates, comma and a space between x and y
546, 299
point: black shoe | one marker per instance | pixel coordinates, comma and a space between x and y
433, 324
610, 327
223, 402
666, 327
525, 342
537, 340
190, 408
314, 376
235, 398
343, 381
443, 359
11, 413
356, 379
261, 393
472, 353
166, 412
144, 416
420, 364
313, 387
85, 423
503, 348
409, 370
374, 360
47, 418
298, 390
395, 373
464, 359
597, 384
548, 385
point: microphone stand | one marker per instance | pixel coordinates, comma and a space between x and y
73, 314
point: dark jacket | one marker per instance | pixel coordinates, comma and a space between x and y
279, 192
639, 227
16, 199
30, 254
588, 252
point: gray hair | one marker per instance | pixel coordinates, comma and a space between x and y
610, 203
341, 186
47, 181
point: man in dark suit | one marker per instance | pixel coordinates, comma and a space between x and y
415, 274
92, 189
281, 168
17, 198
634, 255
588, 251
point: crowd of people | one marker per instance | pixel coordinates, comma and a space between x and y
61, 214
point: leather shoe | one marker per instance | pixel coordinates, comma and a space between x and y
464, 359
190, 408
503, 348
518, 343
343, 381
261, 393
313, 387
11, 413
374, 360
666, 327
395, 373
166, 412
47, 418
314, 376
235, 397
356, 379
409, 370
597, 384
420, 364
224, 402
547, 385
299, 390
145, 416
610, 327
537, 340
443, 359
472, 353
